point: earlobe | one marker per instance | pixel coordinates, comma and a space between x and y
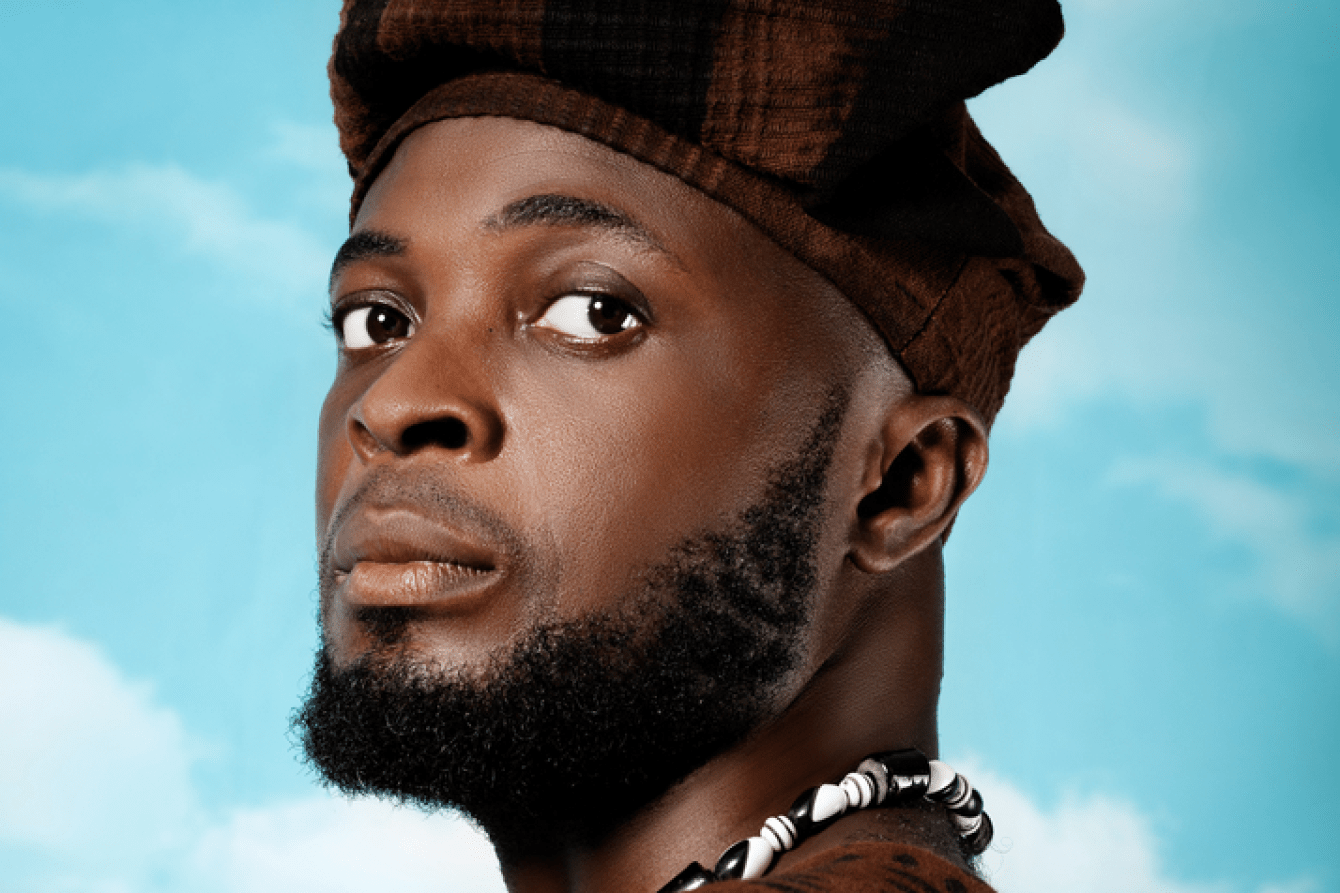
932, 456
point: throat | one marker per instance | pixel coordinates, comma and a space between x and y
893, 797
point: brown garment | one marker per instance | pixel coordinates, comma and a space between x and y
865, 868
837, 127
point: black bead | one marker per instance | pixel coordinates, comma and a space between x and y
909, 774
971, 808
801, 815
732, 862
977, 842
691, 878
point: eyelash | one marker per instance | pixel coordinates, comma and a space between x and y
333, 317
625, 314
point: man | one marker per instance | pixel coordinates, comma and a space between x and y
669, 342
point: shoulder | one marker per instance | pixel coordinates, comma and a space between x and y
862, 867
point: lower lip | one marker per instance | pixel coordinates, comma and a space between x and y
415, 584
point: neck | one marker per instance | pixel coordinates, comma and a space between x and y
874, 688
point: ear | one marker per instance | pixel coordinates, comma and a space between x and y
931, 457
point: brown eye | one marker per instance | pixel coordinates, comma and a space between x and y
609, 317
375, 324
589, 316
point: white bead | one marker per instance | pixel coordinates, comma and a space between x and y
829, 801
875, 769
941, 777
859, 789
781, 828
759, 858
967, 825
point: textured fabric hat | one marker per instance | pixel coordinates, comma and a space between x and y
837, 127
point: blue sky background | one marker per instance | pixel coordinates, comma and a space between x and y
1143, 668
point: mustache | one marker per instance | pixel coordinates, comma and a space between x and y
424, 491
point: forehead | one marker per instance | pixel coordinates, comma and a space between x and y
457, 178
454, 185
464, 171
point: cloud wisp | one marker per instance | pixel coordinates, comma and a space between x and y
1175, 310
329, 844
1199, 308
209, 219
98, 796
1298, 558
1096, 843
95, 773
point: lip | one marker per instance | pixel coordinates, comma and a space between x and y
400, 558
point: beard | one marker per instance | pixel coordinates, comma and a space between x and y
568, 732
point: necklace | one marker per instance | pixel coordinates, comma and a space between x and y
894, 778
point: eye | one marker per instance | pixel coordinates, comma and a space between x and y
589, 317
373, 324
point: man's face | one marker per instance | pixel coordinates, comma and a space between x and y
558, 366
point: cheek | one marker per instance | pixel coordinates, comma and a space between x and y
626, 463
334, 454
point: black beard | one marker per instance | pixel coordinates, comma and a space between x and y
568, 733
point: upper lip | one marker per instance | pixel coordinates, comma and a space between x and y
400, 535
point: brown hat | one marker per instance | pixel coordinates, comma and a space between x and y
837, 127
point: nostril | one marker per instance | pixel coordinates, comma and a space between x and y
449, 433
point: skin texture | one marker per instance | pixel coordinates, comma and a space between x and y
567, 462
568, 711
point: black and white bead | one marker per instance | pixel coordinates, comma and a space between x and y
780, 833
816, 809
746, 859
895, 777
860, 790
965, 806
906, 774
691, 878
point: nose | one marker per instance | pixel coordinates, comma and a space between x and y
427, 397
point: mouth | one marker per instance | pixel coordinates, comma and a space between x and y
398, 558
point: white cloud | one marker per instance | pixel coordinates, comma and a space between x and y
1094, 842
1151, 13
335, 846
1076, 141
96, 797
1301, 885
313, 148
1269, 399
1239, 345
1102, 171
1168, 319
209, 218
1298, 563
83, 751
315, 153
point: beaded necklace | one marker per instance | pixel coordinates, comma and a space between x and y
894, 778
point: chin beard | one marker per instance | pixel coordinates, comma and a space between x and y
566, 734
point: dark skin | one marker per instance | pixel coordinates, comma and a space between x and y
597, 361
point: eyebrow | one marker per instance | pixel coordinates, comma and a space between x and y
366, 245
535, 210
567, 210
